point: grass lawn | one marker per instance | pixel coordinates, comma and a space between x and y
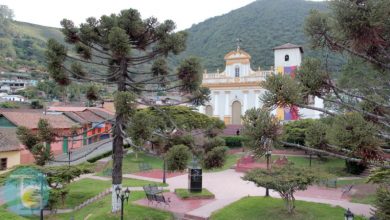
4, 214
85, 189
254, 208
185, 194
230, 161
101, 210
342, 183
130, 163
366, 199
330, 165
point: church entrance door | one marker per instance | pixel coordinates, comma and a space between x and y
236, 113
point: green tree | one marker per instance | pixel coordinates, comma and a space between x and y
177, 158
120, 45
260, 130
38, 143
6, 15
359, 97
285, 180
382, 202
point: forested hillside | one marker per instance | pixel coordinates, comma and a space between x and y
260, 25
23, 44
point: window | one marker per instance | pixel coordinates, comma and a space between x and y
3, 163
286, 58
237, 71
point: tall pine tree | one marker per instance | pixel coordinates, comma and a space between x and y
127, 52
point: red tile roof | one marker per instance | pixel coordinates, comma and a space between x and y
89, 116
66, 109
9, 140
30, 119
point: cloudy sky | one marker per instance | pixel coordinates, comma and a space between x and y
183, 12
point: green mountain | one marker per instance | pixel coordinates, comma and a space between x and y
260, 25
24, 44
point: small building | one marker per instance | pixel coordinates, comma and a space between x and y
14, 98
10, 148
95, 122
62, 126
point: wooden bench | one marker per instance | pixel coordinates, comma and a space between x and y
144, 167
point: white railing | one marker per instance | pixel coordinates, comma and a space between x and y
214, 78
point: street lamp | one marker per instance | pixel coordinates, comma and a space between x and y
122, 195
164, 171
348, 215
267, 155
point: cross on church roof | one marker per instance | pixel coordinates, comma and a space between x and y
238, 41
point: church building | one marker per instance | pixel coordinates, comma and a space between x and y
237, 88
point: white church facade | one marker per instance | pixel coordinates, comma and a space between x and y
237, 88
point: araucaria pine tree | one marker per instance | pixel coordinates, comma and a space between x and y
128, 53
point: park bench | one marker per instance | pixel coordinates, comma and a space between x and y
346, 189
154, 194
144, 166
331, 183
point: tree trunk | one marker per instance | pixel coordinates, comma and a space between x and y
117, 144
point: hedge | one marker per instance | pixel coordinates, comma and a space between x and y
234, 141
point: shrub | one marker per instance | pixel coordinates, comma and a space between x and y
234, 141
213, 143
295, 131
8, 104
215, 158
36, 104
177, 158
355, 167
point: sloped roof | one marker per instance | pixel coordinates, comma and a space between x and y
237, 54
288, 46
75, 117
66, 109
102, 113
30, 119
89, 116
9, 140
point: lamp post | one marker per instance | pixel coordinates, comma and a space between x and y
164, 171
268, 155
122, 195
348, 215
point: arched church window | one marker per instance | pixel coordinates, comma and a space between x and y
237, 71
287, 57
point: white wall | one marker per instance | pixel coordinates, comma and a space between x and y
309, 113
245, 69
295, 57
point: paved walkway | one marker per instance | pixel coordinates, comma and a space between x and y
84, 153
228, 187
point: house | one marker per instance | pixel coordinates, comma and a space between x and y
95, 122
62, 126
14, 98
10, 148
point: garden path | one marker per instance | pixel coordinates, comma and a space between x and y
228, 187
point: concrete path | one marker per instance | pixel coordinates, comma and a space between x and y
84, 153
228, 187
